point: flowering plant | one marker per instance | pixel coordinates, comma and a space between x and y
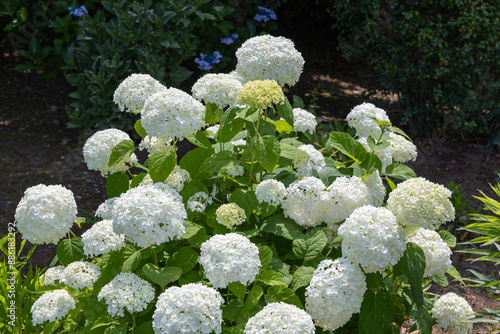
252, 224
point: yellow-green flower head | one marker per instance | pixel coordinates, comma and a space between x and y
260, 94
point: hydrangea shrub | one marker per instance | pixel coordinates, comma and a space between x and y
257, 229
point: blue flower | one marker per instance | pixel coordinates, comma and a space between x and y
264, 14
229, 40
78, 12
205, 62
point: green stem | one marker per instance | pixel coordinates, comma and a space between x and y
153, 253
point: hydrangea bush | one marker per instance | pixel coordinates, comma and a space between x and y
256, 230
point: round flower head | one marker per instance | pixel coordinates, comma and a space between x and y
229, 258
219, 89
304, 121
153, 144
177, 178
376, 188
52, 306
98, 148
135, 90
198, 202
54, 276
260, 94
280, 318
451, 311
360, 118
191, 308
384, 154
402, 149
335, 293
437, 253
267, 57
126, 291
373, 238
270, 191
344, 195
149, 214
104, 210
101, 238
305, 202
420, 202
45, 213
172, 114
315, 162
230, 215
81, 274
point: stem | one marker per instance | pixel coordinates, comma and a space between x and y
153, 253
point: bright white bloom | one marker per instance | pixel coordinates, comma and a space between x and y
191, 308
402, 149
198, 202
135, 90
45, 213
267, 57
178, 178
373, 238
172, 114
153, 144
270, 191
304, 121
234, 171
219, 89
376, 188
344, 195
52, 306
212, 130
335, 293
239, 142
127, 291
305, 202
230, 215
360, 118
437, 252
98, 148
315, 162
229, 258
104, 210
420, 202
81, 274
101, 238
384, 154
280, 318
54, 274
451, 311
149, 214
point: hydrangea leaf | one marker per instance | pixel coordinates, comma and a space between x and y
271, 277
162, 276
412, 265
245, 199
70, 250
215, 162
285, 110
199, 139
185, 258
131, 263
191, 229
290, 154
377, 312
271, 154
192, 187
238, 289
301, 277
194, 159
400, 171
121, 152
282, 126
449, 238
227, 132
162, 163
265, 256
230, 310
279, 293
309, 245
116, 184
440, 279
211, 114
252, 299
139, 129
136, 180
422, 319
283, 227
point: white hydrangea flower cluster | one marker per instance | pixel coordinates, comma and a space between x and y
437, 252
81, 274
270, 191
343, 196
52, 275
229, 258
153, 144
376, 188
219, 89
384, 154
451, 311
104, 209
402, 149
360, 118
230, 215
335, 293
304, 121
172, 113
126, 291
149, 214
305, 202
191, 308
98, 148
101, 238
45, 213
178, 178
315, 162
234, 171
52, 306
198, 202
280, 318
267, 57
420, 202
133, 92
373, 238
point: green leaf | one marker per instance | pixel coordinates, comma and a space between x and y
271, 154
309, 245
399, 171
191, 229
131, 264
285, 110
116, 184
292, 153
347, 145
282, 126
279, 293
271, 277
301, 277
70, 250
399, 131
423, 320
216, 162
230, 126
283, 227
200, 139
250, 302
121, 152
412, 265
245, 199
440, 279
162, 163
178, 75
298, 102
136, 180
230, 310
162, 276
448, 238
194, 159
238, 289
249, 114
377, 312
185, 258
210, 113
265, 257
139, 129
